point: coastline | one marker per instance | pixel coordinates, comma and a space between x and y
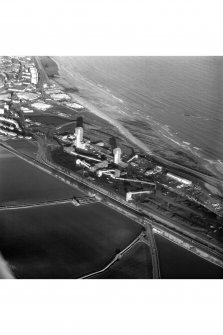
93, 109
213, 179
189, 237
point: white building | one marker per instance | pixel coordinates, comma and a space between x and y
179, 179
10, 121
34, 75
117, 155
79, 137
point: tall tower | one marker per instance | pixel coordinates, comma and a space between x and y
79, 136
117, 155
6, 110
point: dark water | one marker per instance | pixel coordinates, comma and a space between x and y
21, 182
178, 263
63, 241
27, 147
179, 98
136, 264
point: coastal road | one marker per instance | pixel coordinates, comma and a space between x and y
160, 222
215, 181
132, 139
153, 250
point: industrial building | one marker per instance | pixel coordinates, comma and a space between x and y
130, 173
179, 179
117, 155
79, 137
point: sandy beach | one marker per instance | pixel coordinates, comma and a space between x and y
66, 78
125, 132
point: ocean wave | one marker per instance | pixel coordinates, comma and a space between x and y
211, 119
164, 131
185, 145
197, 117
135, 99
196, 152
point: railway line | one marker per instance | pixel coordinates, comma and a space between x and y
150, 220
158, 221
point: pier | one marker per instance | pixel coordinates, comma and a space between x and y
76, 201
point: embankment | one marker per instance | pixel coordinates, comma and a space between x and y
130, 210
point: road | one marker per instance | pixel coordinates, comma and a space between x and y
153, 216
158, 221
147, 217
153, 249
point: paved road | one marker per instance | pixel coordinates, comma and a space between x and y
153, 249
156, 219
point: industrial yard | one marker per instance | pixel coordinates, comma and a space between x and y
40, 120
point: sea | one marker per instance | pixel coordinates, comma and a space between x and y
170, 103
173, 104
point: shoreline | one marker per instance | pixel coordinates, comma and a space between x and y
93, 109
185, 237
213, 180
174, 143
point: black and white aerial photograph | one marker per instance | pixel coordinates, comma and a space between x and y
111, 167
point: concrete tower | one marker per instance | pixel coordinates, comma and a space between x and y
117, 155
79, 137
6, 110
